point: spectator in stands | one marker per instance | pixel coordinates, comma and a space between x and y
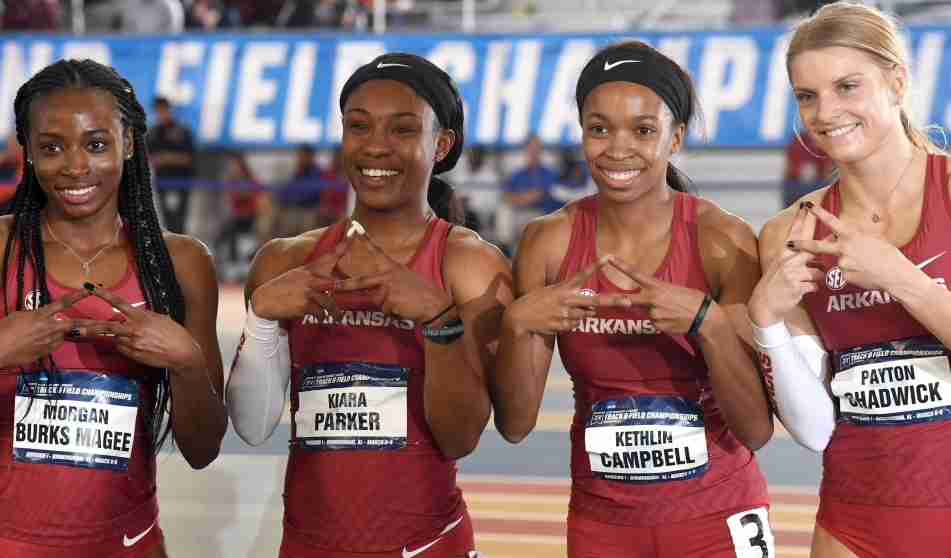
204, 15
151, 16
575, 181
238, 239
11, 169
335, 194
807, 168
527, 194
477, 178
32, 15
172, 154
258, 13
298, 201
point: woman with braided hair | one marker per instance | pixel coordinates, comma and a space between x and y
107, 339
385, 325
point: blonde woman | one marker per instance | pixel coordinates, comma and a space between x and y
852, 310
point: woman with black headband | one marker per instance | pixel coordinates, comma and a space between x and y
385, 323
644, 286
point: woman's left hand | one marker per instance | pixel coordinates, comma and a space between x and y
397, 289
864, 260
671, 307
150, 338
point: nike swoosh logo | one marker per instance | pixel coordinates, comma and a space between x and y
411, 553
127, 542
924, 264
382, 65
609, 65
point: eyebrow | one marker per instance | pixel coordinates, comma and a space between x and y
86, 133
394, 115
640, 117
836, 81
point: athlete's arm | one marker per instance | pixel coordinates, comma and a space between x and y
257, 385
729, 252
199, 418
794, 361
524, 357
455, 392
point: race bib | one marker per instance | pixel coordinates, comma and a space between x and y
893, 383
646, 439
75, 418
352, 406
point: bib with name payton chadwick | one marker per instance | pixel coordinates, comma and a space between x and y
352, 406
647, 439
893, 383
75, 418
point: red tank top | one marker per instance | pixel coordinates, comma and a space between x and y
364, 473
648, 443
76, 463
892, 435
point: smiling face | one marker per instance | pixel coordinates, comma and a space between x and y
78, 145
391, 140
628, 135
849, 104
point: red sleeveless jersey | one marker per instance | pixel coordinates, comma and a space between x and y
364, 473
76, 462
648, 443
890, 374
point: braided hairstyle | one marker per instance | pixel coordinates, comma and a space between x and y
156, 274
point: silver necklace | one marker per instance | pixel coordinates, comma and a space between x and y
85, 264
876, 218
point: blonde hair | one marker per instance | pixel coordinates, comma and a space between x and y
866, 29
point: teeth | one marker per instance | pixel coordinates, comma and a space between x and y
79, 191
379, 172
622, 175
841, 131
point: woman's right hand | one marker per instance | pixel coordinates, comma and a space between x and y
29, 335
560, 307
787, 277
306, 289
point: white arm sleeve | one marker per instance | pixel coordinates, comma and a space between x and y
258, 381
800, 370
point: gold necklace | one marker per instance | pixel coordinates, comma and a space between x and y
85, 264
875, 216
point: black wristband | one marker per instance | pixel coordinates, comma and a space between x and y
446, 334
701, 314
439, 315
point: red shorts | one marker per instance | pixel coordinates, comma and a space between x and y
456, 542
887, 532
138, 546
742, 532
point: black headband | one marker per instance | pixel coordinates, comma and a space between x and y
429, 82
641, 64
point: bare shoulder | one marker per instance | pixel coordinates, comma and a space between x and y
465, 243
719, 225
282, 254
186, 250
550, 233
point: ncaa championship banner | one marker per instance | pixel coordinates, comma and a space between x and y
281, 90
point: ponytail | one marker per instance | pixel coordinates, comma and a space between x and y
677, 180
442, 198
917, 136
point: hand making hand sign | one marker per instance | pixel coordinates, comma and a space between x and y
560, 307
33, 334
788, 276
674, 309
864, 260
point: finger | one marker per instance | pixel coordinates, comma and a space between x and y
582, 277
598, 300
62, 304
798, 224
325, 302
642, 279
641, 298
815, 246
815, 275
92, 328
325, 264
361, 283
118, 303
830, 220
578, 313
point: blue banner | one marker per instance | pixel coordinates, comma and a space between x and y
276, 91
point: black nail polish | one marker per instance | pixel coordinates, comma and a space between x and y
791, 244
89, 287
802, 205
808, 204
73, 333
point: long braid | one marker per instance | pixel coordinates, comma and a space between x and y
156, 274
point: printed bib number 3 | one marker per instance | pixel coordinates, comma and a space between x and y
752, 536
353, 406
